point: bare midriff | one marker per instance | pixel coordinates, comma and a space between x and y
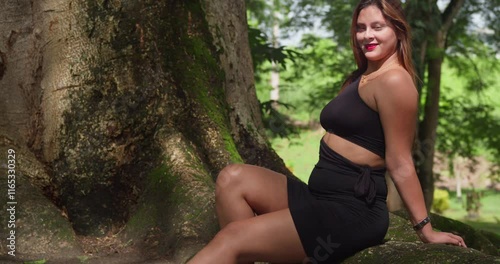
353, 152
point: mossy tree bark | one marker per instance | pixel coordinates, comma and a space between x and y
133, 107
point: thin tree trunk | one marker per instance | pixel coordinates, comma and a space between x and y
275, 75
434, 47
427, 131
458, 177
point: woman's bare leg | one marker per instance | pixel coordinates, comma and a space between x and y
245, 190
268, 237
242, 191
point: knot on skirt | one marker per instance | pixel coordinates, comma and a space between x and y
365, 185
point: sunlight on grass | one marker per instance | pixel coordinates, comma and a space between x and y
489, 218
300, 152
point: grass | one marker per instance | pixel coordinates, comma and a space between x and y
300, 152
489, 215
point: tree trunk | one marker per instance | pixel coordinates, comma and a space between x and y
421, 17
394, 201
427, 131
19, 69
133, 107
275, 74
458, 189
431, 26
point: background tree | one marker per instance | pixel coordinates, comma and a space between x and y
439, 31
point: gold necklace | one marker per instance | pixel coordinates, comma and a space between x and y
375, 74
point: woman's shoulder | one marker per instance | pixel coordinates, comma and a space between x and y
396, 79
396, 76
395, 84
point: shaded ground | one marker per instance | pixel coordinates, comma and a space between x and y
95, 250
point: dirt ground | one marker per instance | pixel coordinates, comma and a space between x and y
96, 250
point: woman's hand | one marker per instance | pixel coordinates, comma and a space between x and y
434, 237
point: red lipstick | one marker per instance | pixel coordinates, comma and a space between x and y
370, 47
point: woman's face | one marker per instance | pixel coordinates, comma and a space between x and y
375, 35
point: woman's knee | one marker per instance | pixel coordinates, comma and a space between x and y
230, 176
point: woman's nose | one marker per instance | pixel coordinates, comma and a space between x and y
368, 34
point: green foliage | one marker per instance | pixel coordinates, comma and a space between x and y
263, 51
478, 128
320, 71
291, 15
276, 123
486, 32
338, 19
441, 201
458, 139
474, 62
312, 80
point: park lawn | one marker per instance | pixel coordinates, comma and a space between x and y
489, 218
300, 152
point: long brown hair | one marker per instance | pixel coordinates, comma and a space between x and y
392, 12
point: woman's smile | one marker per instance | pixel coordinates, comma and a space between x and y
370, 47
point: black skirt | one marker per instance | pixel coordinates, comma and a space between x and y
341, 211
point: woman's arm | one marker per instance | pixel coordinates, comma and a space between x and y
397, 104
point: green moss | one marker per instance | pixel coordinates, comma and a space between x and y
473, 238
406, 252
202, 83
192, 57
494, 238
159, 185
48, 221
162, 193
231, 148
83, 259
41, 261
400, 230
170, 209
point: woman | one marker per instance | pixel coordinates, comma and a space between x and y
370, 128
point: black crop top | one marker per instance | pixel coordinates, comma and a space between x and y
349, 117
